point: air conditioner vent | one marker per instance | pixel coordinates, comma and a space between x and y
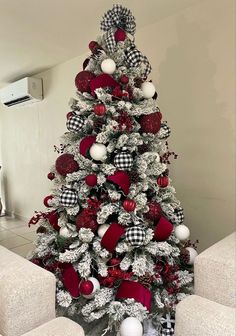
18, 101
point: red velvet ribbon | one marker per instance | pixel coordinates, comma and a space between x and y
134, 290
112, 236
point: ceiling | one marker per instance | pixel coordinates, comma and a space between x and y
38, 34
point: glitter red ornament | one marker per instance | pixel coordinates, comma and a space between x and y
91, 180
86, 287
99, 110
47, 200
85, 221
65, 164
69, 115
51, 176
163, 181
82, 81
154, 213
129, 205
150, 123
124, 79
120, 35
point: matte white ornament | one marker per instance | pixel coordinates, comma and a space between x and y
108, 66
182, 232
98, 152
192, 255
96, 287
64, 232
148, 89
131, 326
102, 230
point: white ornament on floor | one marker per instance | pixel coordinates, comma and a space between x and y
148, 89
96, 287
64, 232
108, 66
102, 229
192, 255
98, 152
182, 232
131, 326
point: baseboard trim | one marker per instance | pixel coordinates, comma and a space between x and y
17, 216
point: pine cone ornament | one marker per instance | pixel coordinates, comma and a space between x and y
143, 148
97, 125
123, 160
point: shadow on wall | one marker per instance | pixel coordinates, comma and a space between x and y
201, 133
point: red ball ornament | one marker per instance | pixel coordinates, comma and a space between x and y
154, 213
51, 176
91, 180
129, 205
82, 80
163, 181
99, 109
120, 35
66, 164
86, 287
124, 79
151, 123
47, 200
85, 221
69, 115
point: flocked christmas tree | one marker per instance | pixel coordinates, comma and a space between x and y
113, 235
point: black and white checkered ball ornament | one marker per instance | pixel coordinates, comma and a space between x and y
168, 326
75, 123
164, 132
68, 198
178, 216
168, 332
135, 235
123, 160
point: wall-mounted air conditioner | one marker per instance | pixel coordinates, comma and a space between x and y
24, 91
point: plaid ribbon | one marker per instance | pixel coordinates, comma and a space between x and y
134, 58
167, 326
117, 17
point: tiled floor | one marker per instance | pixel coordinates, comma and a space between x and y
16, 235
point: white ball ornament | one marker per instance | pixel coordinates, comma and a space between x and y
108, 66
64, 232
182, 232
98, 152
102, 230
148, 89
131, 326
96, 287
192, 255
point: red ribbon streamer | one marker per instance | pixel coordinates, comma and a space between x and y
134, 290
112, 236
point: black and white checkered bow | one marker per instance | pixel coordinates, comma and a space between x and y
135, 58
177, 217
117, 17
68, 198
75, 123
135, 235
167, 326
164, 132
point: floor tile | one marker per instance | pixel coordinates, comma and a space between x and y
5, 234
24, 229
29, 235
14, 242
23, 250
12, 224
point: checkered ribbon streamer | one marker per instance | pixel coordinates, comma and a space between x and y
123, 161
167, 326
134, 58
117, 17
164, 132
68, 198
135, 235
75, 123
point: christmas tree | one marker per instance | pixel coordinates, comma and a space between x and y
113, 234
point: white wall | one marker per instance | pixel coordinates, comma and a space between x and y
193, 59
